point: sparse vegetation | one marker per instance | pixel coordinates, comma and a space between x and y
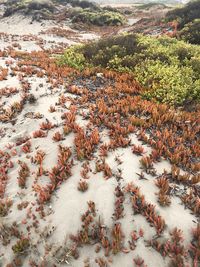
150, 5
80, 3
93, 166
78, 11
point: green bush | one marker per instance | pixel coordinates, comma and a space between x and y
166, 83
169, 69
27, 6
99, 18
73, 59
185, 14
21, 246
79, 3
99, 53
191, 32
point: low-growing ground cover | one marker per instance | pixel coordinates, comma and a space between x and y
94, 169
91, 173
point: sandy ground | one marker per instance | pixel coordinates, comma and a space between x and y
21, 27
63, 212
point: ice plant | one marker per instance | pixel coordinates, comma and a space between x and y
26, 148
163, 195
85, 170
146, 163
91, 207
104, 167
52, 109
110, 106
173, 247
62, 170
101, 262
195, 245
57, 137
192, 201
3, 74
103, 150
119, 201
138, 150
39, 134
85, 144
66, 129
117, 238
5, 165
46, 125
39, 157
44, 193
21, 246
82, 186
139, 262
146, 209
5, 206
23, 173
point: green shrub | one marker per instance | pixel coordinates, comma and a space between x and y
102, 51
21, 246
169, 69
166, 83
28, 6
73, 59
99, 18
185, 14
85, 4
191, 32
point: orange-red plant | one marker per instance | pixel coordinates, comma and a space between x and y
39, 134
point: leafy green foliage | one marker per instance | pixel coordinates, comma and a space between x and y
191, 32
166, 83
185, 14
167, 68
27, 6
73, 59
80, 3
188, 18
21, 246
99, 18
